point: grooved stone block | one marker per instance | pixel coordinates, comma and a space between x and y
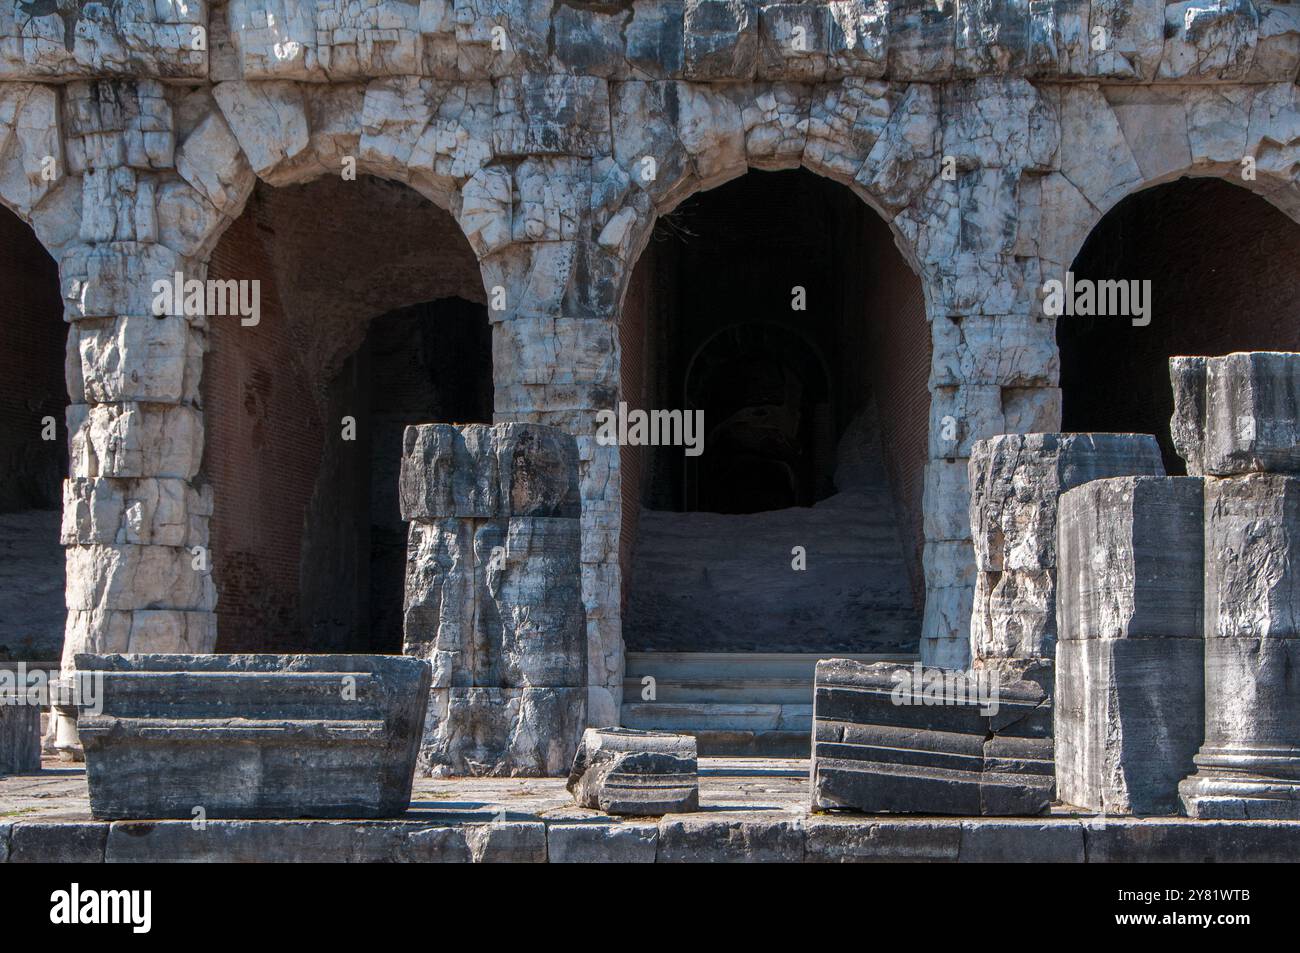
252, 736
1239, 413
1016, 481
642, 773
893, 739
502, 731
20, 736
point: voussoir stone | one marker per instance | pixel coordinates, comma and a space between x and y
623, 771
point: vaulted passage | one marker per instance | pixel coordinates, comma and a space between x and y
1221, 262
372, 318
33, 446
778, 306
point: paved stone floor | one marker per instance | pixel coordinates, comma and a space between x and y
750, 810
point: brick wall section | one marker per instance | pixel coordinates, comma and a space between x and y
32, 342
331, 256
1223, 266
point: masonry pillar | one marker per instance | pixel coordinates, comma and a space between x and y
494, 597
1235, 419
135, 519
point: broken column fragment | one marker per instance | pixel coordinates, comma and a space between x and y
1016, 481
1129, 672
889, 738
1247, 418
622, 771
494, 597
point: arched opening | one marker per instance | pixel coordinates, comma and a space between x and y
780, 307
33, 447
372, 317
1221, 262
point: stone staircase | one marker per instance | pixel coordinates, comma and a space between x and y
736, 704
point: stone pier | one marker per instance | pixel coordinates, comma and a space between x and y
1249, 763
494, 596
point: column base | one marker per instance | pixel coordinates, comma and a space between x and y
1253, 784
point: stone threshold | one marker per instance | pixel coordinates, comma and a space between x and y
706, 837
752, 810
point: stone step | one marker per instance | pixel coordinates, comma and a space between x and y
699, 716
286, 695
776, 691
669, 666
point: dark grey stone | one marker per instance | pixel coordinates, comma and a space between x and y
729, 839
212, 736
720, 39
1252, 413
20, 736
844, 840
879, 749
642, 773
1183, 841
601, 843
1187, 425
42, 842
509, 842
1021, 842
5, 828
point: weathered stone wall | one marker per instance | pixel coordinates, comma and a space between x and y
1050, 113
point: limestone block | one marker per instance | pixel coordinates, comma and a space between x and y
125, 577
642, 773
481, 470
159, 512
1187, 426
1094, 154
253, 735
879, 747
922, 39
1277, 51
155, 39
1131, 559
558, 281
793, 41
167, 631
845, 121
720, 39
905, 157
991, 37
947, 500
1059, 39
139, 358
1132, 38
529, 732
857, 38
1218, 121
1252, 413
590, 42
552, 115
654, 38
117, 278
110, 123
1129, 718
440, 599
269, 120
947, 614
209, 159
29, 138
776, 125
552, 200
20, 735
1209, 41
1009, 350
601, 843
134, 440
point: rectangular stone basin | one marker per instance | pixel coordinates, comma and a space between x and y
253, 736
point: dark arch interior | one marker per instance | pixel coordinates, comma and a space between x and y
1222, 262
33, 454
815, 421
373, 313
